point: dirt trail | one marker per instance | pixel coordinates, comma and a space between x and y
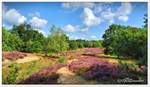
28, 58
68, 77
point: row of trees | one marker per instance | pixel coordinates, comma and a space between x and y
126, 41
24, 38
74, 44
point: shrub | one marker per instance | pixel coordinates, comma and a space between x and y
14, 55
61, 59
82, 65
10, 41
12, 76
47, 75
102, 71
135, 72
127, 42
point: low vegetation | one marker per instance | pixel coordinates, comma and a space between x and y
104, 61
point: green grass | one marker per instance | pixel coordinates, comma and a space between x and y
114, 59
22, 71
62, 59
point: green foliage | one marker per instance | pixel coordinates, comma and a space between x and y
24, 38
145, 21
126, 41
61, 59
74, 44
16, 72
32, 39
12, 76
56, 41
10, 41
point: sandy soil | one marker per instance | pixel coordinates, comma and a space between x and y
28, 58
68, 77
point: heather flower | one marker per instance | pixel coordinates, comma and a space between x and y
102, 70
14, 55
46, 75
82, 64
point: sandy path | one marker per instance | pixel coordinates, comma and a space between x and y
68, 77
28, 58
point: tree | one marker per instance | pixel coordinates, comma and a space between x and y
10, 41
56, 41
126, 41
73, 44
32, 39
145, 21
109, 37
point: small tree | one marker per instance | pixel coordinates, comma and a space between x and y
56, 41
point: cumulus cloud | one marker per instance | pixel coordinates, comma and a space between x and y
89, 19
98, 9
108, 15
123, 11
12, 16
93, 14
37, 22
84, 29
36, 14
78, 5
70, 28
123, 18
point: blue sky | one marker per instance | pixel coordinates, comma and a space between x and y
79, 20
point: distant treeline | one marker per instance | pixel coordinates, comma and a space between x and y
118, 40
24, 38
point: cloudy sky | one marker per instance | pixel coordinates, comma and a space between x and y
78, 20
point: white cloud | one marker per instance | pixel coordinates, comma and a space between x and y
89, 19
124, 9
93, 37
36, 14
93, 14
121, 13
123, 18
84, 29
12, 16
98, 9
108, 15
38, 22
70, 28
78, 5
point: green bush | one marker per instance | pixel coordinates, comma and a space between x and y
126, 41
56, 41
12, 76
10, 41
61, 59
